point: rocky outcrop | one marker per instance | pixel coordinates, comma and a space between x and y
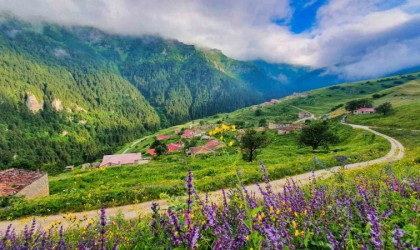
33, 104
56, 103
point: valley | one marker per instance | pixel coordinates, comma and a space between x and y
209, 126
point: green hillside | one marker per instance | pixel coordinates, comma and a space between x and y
90, 91
326, 100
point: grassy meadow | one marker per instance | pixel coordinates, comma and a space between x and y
83, 190
401, 89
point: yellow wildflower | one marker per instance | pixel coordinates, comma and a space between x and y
296, 214
278, 211
230, 144
296, 233
294, 224
247, 237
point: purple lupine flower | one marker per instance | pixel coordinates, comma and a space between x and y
195, 234
103, 229
375, 229
333, 242
397, 237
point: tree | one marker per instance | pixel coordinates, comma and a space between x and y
384, 108
356, 104
250, 143
263, 122
258, 112
161, 149
316, 135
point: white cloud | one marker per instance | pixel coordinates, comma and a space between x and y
352, 34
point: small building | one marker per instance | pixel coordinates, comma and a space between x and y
95, 164
362, 111
122, 159
278, 125
70, 168
151, 151
304, 114
175, 146
86, 166
288, 130
162, 137
188, 134
31, 184
214, 145
205, 137
192, 151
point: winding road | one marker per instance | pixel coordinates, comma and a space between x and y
133, 211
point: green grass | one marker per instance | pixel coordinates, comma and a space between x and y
404, 117
321, 101
81, 190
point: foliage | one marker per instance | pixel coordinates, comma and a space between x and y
356, 104
384, 108
317, 134
362, 213
250, 143
161, 149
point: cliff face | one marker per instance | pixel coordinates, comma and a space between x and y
33, 104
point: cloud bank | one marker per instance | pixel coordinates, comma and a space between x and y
354, 38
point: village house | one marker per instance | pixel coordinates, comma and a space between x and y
304, 114
171, 148
18, 182
209, 147
362, 111
123, 159
277, 125
69, 168
288, 129
188, 134
162, 137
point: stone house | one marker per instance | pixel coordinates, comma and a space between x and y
304, 114
18, 182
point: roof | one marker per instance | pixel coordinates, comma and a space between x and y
162, 137
188, 133
121, 159
151, 151
212, 144
366, 109
290, 128
173, 147
14, 180
200, 150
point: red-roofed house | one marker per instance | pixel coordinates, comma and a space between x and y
31, 184
122, 159
288, 129
175, 146
199, 150
361, 111
151, 151
213, 144
162, 137
188, 133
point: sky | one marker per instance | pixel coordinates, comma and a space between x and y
357, 39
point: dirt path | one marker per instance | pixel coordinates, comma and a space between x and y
132, 211
134, 144
311, 117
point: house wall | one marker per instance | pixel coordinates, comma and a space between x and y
38, 188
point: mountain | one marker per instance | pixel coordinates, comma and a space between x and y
68, 95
